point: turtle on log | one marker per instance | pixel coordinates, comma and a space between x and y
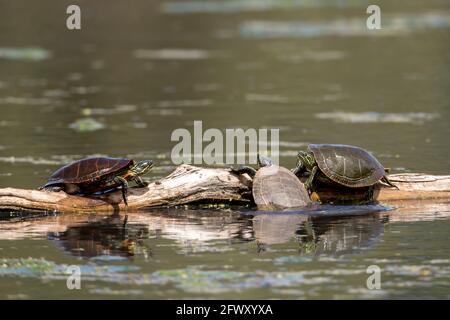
275, 188
91, 175
340, 164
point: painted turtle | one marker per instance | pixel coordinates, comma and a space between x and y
275, 187
91, 175
342, 164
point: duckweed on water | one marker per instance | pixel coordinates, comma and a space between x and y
33, 267
87, 125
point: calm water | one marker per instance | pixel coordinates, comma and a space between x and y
132, 75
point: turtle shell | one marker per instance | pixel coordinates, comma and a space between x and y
88, 170
276, 187
347, 165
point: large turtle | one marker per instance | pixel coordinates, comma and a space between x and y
340, 164
91, 175
275, 187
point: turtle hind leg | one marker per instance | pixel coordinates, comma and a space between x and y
51, 188
388, 182
244, 169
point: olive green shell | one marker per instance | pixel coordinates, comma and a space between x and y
347, 165
276, 188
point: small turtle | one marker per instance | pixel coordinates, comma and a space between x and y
91, 175
345, 165
275, 187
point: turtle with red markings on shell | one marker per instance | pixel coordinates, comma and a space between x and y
91, 175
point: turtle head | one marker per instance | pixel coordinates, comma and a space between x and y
142, 167
306, 160
264, 161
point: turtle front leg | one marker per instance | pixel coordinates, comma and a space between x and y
299, 169
309, 181
140, 183
244, 169
124, 183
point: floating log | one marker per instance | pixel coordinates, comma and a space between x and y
189, 184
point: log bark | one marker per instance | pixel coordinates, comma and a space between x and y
411, 186
187, 184
190, 184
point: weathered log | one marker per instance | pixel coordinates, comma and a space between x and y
189, 184
411, 186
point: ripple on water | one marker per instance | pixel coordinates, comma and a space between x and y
119, 109
393, 25
173, 54
236, 6
377, 117
29, 159
26, 101
27, 54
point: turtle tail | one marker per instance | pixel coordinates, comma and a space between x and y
388, 182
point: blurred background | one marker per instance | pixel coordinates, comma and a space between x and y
137, 70
134, 73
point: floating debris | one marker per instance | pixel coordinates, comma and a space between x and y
86, 125
377, 117
172, 54
392, 26
28, 54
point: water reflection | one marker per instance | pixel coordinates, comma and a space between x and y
103, 238
109, 238
318, 235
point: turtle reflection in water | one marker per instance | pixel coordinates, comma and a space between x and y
343, 165
104, 238
91, 175
274, 187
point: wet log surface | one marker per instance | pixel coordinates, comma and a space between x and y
190, 184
